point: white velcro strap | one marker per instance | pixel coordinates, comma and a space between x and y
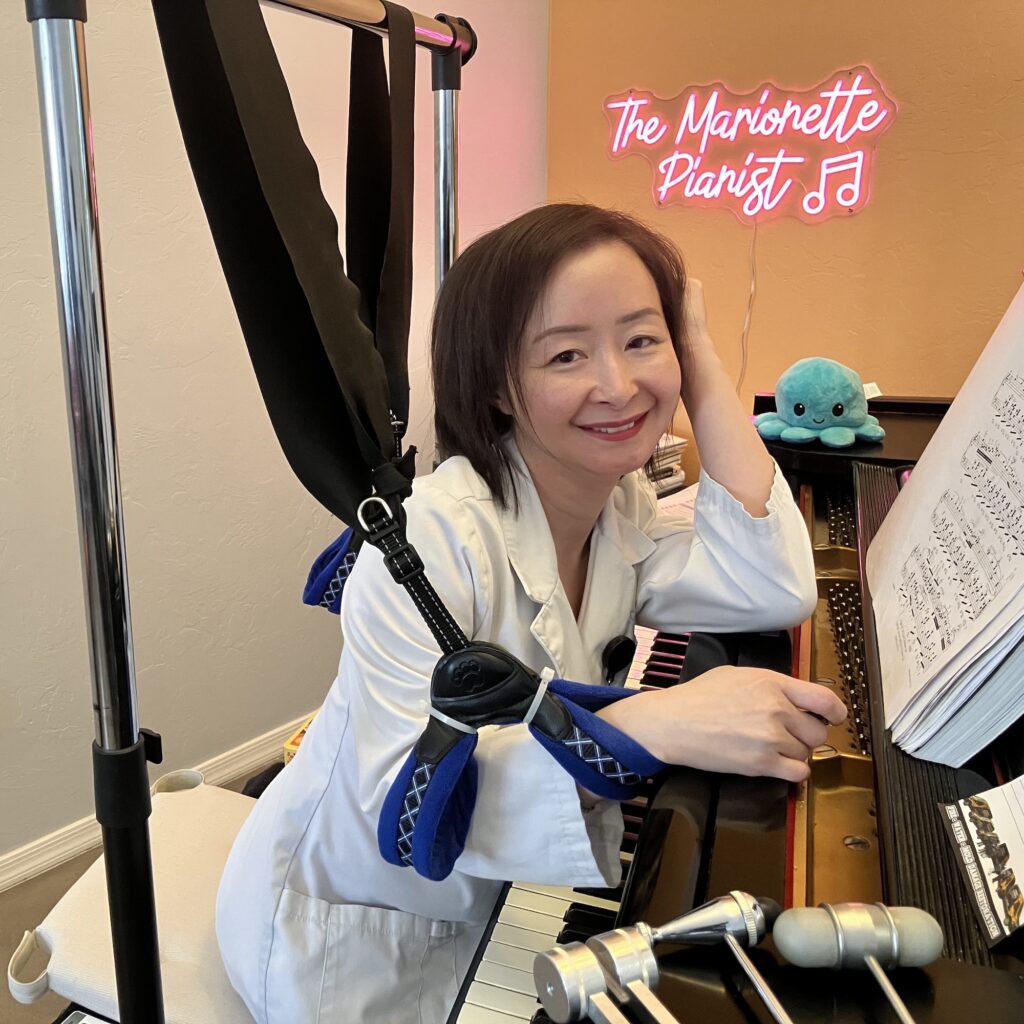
454, 723
545, 678
26, 991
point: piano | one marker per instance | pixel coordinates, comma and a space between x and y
864, 827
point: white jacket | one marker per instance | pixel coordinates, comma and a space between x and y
312, 923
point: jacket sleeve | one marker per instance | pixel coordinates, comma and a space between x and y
727, 571
528, 823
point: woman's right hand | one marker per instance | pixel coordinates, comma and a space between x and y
746, 721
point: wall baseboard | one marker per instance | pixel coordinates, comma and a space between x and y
79, 837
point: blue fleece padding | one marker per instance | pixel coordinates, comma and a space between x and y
612, 741
445, 813
623, 748
328, 574
391, 811
585, 695
446, 806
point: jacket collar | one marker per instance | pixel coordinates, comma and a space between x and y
531, 549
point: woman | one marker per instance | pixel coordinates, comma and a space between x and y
560, 350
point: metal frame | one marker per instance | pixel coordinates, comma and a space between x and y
369, 14
58, 30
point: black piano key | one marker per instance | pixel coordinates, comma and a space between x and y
589, 918
613, 895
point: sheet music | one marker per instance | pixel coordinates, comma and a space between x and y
946, 569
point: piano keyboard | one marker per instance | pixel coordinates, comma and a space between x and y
658, 660
533, 918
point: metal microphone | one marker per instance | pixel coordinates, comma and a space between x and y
868, 935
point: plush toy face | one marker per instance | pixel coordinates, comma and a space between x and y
820, 399
819, 393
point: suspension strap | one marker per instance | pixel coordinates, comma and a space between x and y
384, 527
379, 196
322, 374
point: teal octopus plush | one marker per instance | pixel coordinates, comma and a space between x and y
819, 400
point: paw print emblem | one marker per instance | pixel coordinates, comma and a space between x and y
468, 677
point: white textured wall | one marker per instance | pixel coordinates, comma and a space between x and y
219, 534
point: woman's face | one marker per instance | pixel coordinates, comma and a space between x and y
600, 377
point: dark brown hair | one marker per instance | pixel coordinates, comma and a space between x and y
483, 308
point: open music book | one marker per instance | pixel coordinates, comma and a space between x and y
946, 569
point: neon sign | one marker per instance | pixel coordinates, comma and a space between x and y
770, 152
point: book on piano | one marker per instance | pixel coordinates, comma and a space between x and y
946, 568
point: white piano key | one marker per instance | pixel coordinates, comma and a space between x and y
501, 976
522, 938
481, 1015
546, 924
574, 897
538, 902
509, 956
502, 1000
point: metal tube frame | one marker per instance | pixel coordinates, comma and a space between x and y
74, 227
446, 181
121, 748
433, 33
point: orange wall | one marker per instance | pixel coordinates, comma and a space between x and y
908, 290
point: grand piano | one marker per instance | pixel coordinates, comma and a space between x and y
864, 827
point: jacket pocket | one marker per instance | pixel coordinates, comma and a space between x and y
334, 962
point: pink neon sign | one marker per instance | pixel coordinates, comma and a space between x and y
771, 152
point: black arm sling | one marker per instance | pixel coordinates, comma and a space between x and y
330, 352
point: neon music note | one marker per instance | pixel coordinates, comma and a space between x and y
847, 194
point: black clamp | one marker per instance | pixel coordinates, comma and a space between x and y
446, 64
55, 10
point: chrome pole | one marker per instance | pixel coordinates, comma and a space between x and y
438, 34
74, 229
121, 750
446, 180
446, 81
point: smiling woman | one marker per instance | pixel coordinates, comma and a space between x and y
559, 358
566, 284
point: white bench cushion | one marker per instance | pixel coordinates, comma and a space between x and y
191, 832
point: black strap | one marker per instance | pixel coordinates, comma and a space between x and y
379, 195
386, 530
331, 392
320, 373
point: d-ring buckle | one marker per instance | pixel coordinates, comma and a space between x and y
364, 503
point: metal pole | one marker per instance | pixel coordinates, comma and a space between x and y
446, 180
74, 231
120, 751
446, 81
438, 34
